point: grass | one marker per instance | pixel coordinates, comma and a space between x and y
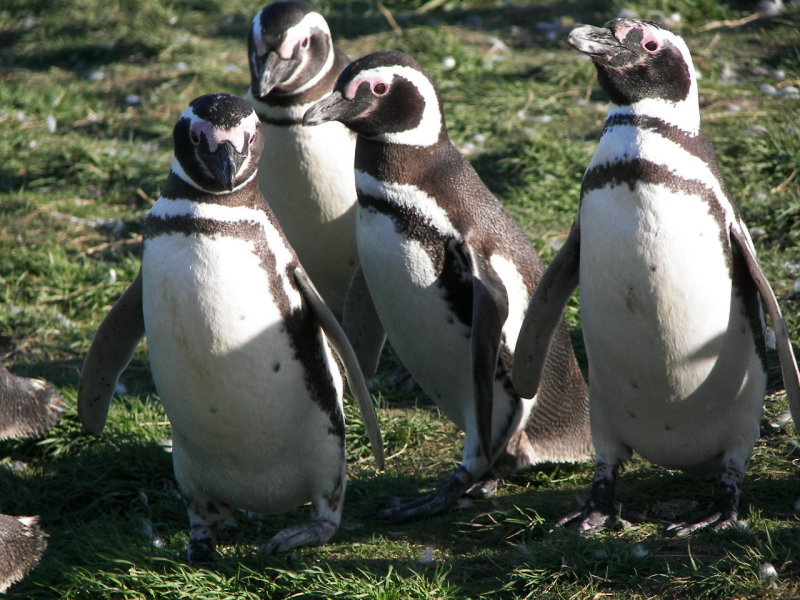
90, 91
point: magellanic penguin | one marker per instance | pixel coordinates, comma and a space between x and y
242, 348
306, 174
22, 543
449, 275
28, 408
671, 291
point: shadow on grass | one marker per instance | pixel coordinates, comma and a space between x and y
93, 509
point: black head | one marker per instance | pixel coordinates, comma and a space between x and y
218, 143
289, 48
638, 60
386, 96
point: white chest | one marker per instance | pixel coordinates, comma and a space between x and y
655, 287
226, 371
307, 172
673, 371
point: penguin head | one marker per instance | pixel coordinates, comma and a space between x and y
639, 61
218, 142
289, 48
384, 96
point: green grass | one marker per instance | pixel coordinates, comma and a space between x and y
114, 76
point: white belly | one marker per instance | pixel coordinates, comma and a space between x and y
430, 341
306, 175
673, 372
245, 428
433, 345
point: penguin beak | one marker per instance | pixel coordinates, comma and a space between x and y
223, 164
334, 107
273, 71
601, 45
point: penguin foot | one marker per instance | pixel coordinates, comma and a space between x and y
30, 406
593, 519
437, 502
714, 521
723, 512
601, 510
315, 533
485, 488
401, 379
202, 543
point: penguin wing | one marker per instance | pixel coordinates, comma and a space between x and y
489, 313
110, 352
361, 324
342, 347
544, 312
791, 379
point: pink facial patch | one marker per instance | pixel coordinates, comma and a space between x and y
293, 37
216, 137
621, 31
649, 41
298, 33
374, 82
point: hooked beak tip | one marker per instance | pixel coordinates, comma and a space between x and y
325, 110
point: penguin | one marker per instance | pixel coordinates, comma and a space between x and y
22, 543
671, 291
28, 408
449, 274
306, 174
244, 352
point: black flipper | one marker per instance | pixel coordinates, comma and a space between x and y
341, 345
489, 313
544, 313
109, 354
791, 378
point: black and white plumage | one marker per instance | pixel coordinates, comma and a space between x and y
242, 348
306, 174
449, 274
671, 291
28, 408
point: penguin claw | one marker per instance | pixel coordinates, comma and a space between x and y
591, 519
485, 488
443, 497
314, 533
715, 521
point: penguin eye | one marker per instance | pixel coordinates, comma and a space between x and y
305, 43
651, 46
195, 139
380, 89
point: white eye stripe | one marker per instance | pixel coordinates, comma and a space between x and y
409, 197
304, 29
430, 126
261, 49
684, 114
